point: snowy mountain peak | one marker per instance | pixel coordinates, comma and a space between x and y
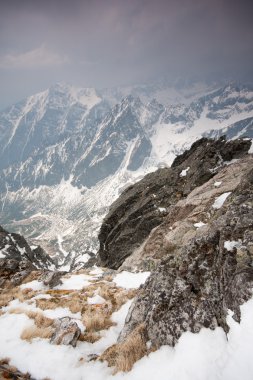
70, 142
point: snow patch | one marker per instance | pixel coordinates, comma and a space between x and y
96, 300
199, 224
34, 285
76, 281
251, 147
184, 172
229, 245
219, 201
130, 280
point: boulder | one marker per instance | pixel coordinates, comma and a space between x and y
52, 279
66, 332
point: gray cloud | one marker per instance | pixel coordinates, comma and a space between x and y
111, 42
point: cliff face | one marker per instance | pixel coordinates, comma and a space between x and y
205, 257
18, 258
201, 252
146, 204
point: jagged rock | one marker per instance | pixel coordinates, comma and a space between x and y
67, 332
77, 265
178, 226
196, 283
25, 268
145, 205
18, 259
52, 279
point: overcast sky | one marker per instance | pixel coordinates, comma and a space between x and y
104, 43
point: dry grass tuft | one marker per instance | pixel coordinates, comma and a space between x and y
123, 355
96, 321
8, 295
90, 337
108, 277
28, 293
59, 292
4, 361
40, 320
74, 300
33, 332
48, 304
34, 275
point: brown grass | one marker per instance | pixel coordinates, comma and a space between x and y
33, 332
74, 300
34, 275
108, 277
96, 321
4, 361
123, 355
90, 337
40, 320
59, 292
8, 295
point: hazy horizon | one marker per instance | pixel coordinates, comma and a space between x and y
110, 43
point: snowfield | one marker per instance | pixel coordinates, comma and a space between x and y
207, 355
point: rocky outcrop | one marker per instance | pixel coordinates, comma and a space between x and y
18, 259
145, 205
67, 332
204, 268
52, 279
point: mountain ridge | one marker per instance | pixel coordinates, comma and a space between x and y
74, 156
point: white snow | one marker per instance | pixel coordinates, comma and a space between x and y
231, 244
96, 271
96, 300
42, 359
251, 147
208, 355
76, 281
199, 224
162, 209
217, 184
42, 296
219, 201
34, 285
60, 312
130, 280
184, 172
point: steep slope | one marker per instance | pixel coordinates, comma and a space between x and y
43, 136
205, 269
144, 205
67, 153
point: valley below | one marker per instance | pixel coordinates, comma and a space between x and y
126, 246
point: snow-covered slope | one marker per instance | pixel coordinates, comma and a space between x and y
67, 153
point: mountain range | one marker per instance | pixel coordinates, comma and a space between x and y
67, 153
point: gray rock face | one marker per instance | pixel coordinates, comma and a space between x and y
52, 279
145, 205
196, 283
67, 332
18, 259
